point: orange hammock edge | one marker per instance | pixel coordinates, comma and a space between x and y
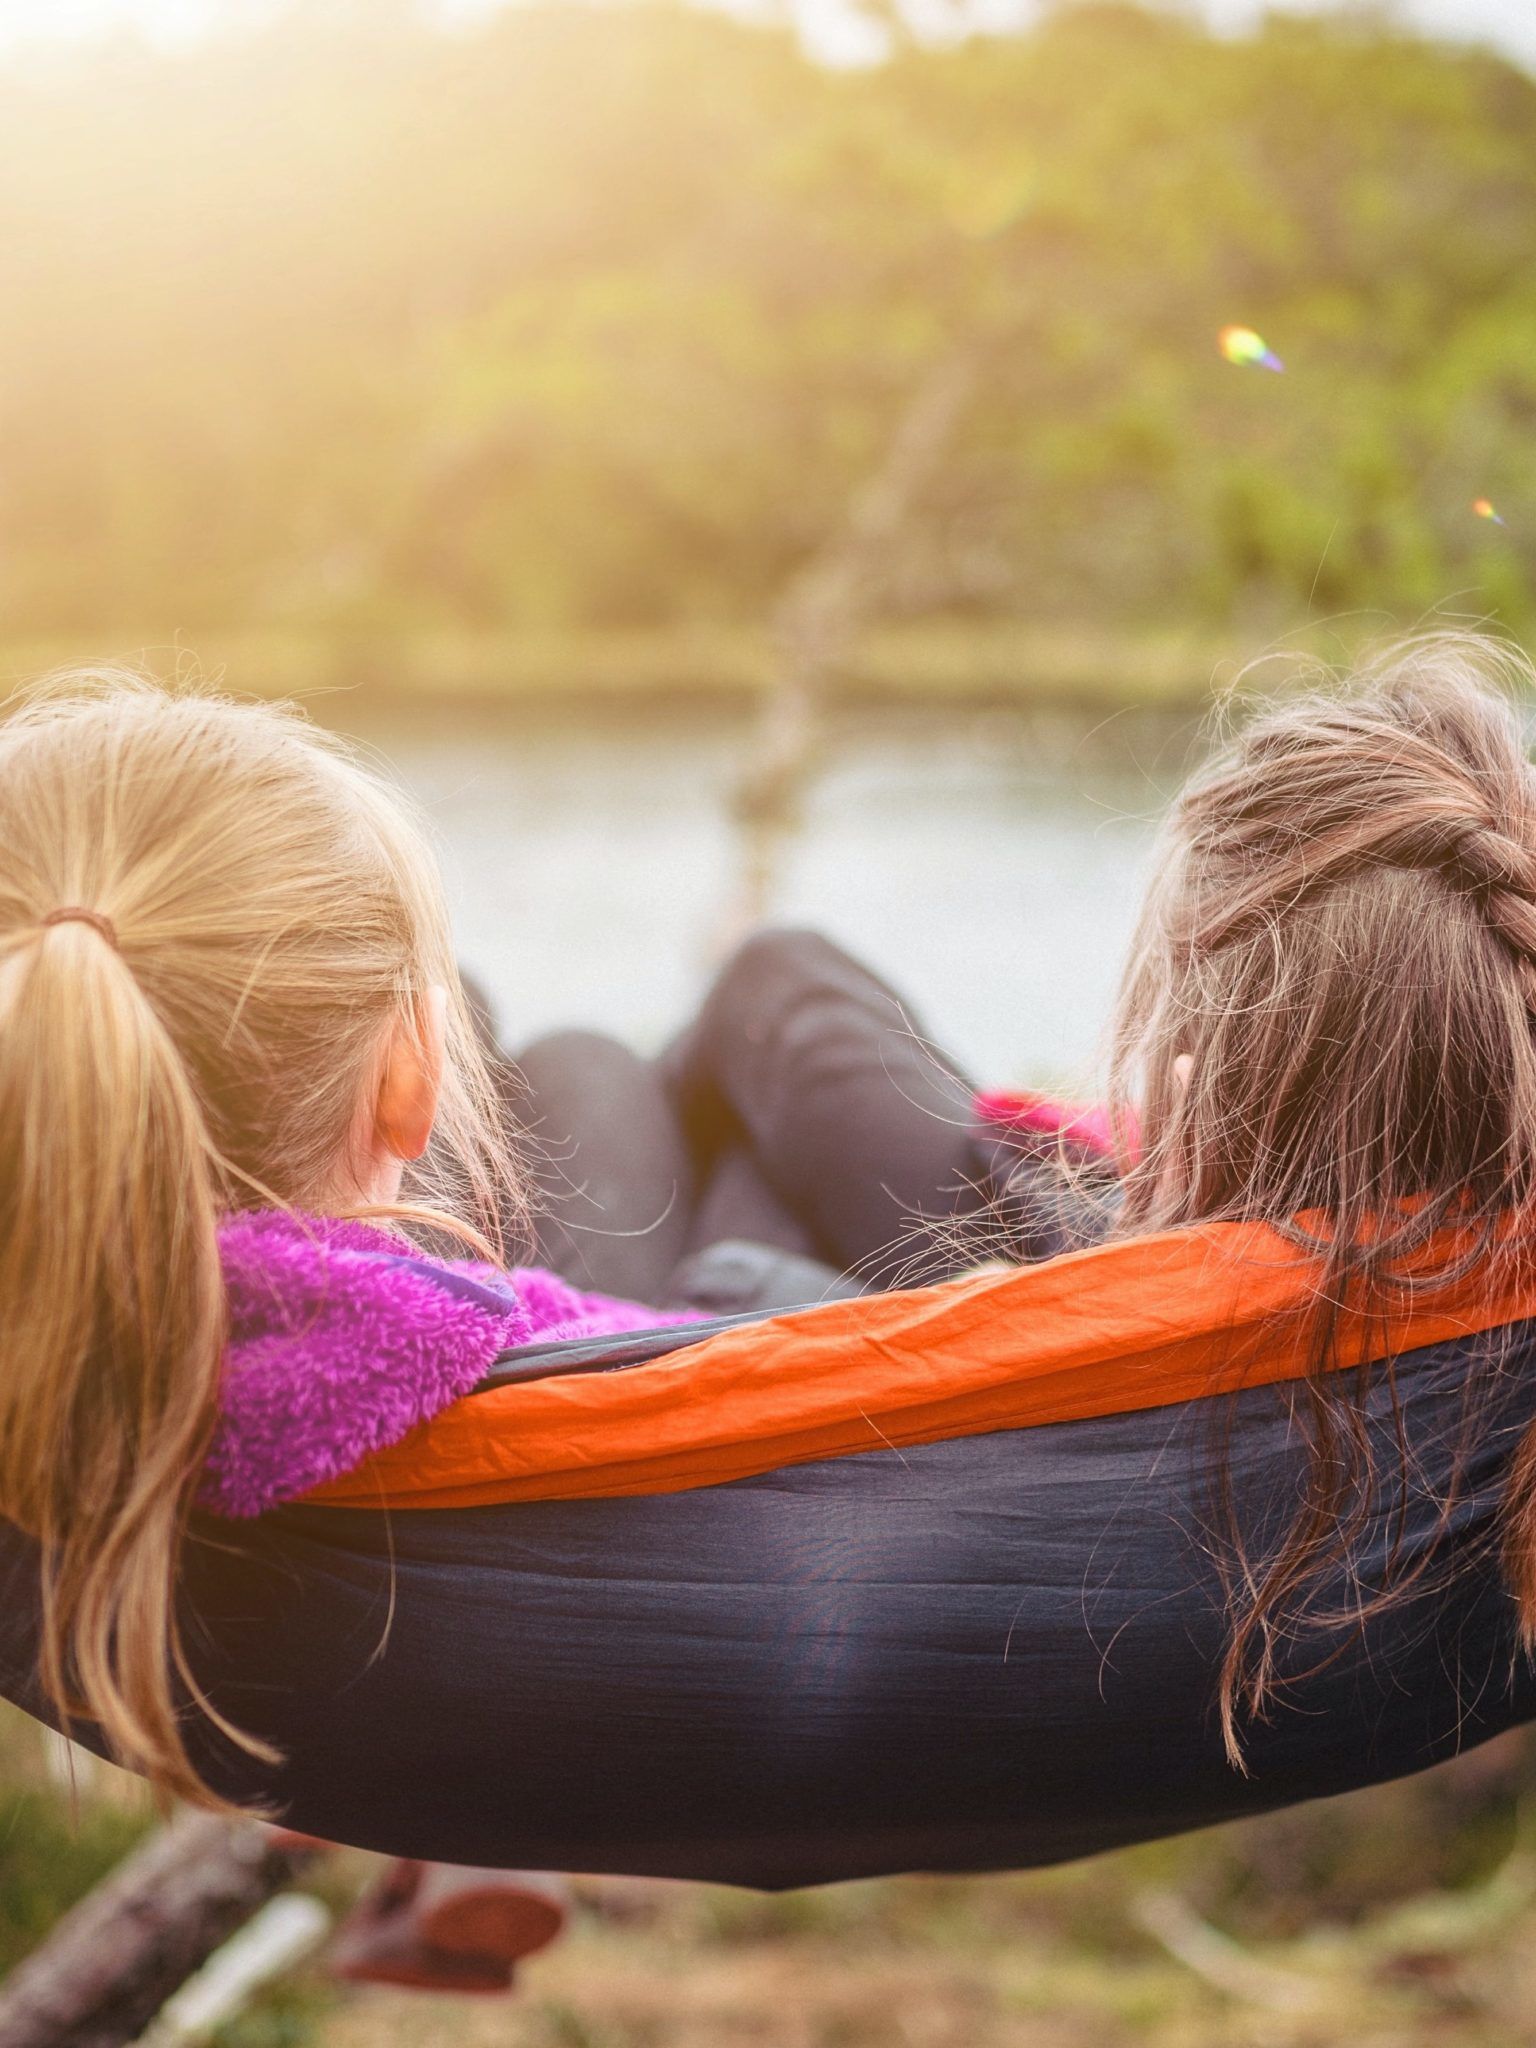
1146, 1323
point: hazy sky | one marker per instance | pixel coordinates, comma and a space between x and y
830, 24
1509, 23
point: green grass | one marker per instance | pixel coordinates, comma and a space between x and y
54, 1843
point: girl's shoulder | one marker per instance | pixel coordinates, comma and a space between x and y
343, 1337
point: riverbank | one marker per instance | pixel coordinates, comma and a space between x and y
937, 661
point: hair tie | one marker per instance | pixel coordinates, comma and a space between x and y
76, 913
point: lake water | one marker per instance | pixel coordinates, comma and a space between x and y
988, 864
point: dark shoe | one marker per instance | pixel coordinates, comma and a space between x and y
440, 1927
380, 1942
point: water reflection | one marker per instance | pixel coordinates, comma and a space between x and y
988, 864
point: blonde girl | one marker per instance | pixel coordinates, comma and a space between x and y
230, 1022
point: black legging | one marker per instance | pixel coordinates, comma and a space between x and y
803, 1109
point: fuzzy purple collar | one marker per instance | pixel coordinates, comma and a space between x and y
342, 1339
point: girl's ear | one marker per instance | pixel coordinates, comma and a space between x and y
412, 1079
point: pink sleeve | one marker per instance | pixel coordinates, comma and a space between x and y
556, 1309
1085, 1124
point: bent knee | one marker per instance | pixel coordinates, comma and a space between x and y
776, 961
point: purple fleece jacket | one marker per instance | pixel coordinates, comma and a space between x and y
343, 1337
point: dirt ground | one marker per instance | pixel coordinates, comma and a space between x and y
1120, 1952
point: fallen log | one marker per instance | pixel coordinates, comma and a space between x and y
112, 1962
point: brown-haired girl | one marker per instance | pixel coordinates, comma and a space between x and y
1327, 1025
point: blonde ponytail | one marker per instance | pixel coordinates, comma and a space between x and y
113, 1309
208, 916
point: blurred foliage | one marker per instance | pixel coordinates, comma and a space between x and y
591, 317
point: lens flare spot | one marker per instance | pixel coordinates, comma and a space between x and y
1251, 351
1483, 507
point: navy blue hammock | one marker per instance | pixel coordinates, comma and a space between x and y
994, 1648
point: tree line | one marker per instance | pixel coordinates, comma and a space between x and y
595, 316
